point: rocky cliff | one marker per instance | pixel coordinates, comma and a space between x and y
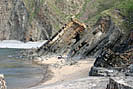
40, 19
104, 30
109, 39
34, 19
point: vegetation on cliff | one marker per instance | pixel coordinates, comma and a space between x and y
43, 18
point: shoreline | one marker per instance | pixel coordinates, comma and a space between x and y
15, 44
58, 70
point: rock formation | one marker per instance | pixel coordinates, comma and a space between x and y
35, 19
103, 31
120, 83
61, 42
2, 82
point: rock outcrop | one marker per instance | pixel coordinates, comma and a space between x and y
120, 83
16, 23
2, 82
35, 19
62, 42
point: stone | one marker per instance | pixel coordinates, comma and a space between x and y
120, 83
2, 82
131, 68
100, 71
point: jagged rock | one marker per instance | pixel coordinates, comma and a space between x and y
99, 71
131, 68
129, 71
105, 33
2, 82
35, 19
120, 83
65, 38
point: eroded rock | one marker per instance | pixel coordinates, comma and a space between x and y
120, 83
99, 71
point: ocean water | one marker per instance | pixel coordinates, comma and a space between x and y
19, 73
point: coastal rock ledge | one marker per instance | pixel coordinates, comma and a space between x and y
120, 83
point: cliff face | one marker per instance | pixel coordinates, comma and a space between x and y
109, 40
40, 19
34, 19
16, 24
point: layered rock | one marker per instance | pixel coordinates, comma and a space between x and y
67, 36
35, 19
40, 19
120, 83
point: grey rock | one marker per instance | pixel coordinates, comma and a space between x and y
131, 68
99, 71
120, 83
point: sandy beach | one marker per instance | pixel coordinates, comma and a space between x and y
60, 71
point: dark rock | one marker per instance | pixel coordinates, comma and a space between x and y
120, 83
61, 43
106, 35
129, 71
99, 71
131, 68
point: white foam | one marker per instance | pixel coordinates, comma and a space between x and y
21, 45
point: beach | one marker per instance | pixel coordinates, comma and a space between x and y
61, 71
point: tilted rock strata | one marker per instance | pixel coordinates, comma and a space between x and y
120, 83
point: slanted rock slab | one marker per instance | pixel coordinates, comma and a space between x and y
120, 83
